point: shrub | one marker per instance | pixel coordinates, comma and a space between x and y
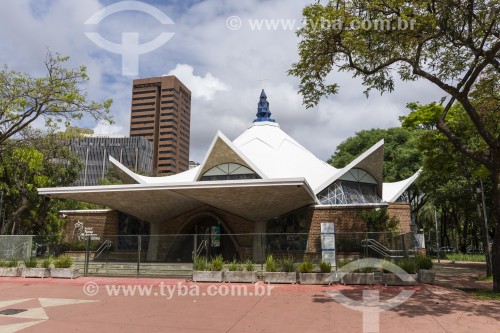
271, 265
3, 263
424, 262
287, 265
63, 262
325, 267
46, 262
200, 264
217, 263
11, 263
249, 265
31, 262
306, 266
408, 265
234, 266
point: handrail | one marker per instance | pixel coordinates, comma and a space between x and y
106, 245
381, 249
203, 245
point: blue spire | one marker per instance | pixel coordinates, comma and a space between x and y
263, 113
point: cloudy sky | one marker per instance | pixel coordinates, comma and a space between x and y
216, 50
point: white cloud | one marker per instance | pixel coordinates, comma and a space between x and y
221, 67
109, 129
201, 86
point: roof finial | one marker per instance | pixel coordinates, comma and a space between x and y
263, 113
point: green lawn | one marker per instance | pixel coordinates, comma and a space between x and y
484, 278
466, 257
484, 295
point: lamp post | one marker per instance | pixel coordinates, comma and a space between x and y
437, 236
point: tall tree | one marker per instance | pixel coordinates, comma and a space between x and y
449, 178
453, 44
29, 158
42, 161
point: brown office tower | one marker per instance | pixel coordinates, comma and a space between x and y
161, 113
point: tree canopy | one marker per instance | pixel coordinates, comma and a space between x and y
57, 97
453, 44
31, 158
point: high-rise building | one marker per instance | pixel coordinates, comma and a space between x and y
161, 113
94, 151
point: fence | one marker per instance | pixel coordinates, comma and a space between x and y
17, 247
172, 255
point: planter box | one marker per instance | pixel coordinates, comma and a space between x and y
207, 276
280, 277
426, 276
65, 273
10, 271
390, 279
317, 278
36, 272
238, 276
358, 278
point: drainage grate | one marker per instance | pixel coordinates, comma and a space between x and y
9, 312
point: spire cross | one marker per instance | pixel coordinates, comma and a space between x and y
262, 83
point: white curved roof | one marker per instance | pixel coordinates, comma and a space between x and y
392, 191
268, 150
278, 155
274, 155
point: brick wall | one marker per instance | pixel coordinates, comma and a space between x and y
401, 211
348, 219
102, 221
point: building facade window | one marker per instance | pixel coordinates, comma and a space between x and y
354, 187
229, 171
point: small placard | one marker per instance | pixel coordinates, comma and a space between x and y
327, 227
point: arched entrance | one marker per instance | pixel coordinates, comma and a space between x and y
204, 234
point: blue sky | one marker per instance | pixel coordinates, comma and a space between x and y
222, 67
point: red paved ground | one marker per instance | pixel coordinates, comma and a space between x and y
289, 308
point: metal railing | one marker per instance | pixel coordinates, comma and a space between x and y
173, 254
105, 246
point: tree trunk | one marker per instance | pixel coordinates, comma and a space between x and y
495, 251
484, 232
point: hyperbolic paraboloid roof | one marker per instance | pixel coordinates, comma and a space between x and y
290, 177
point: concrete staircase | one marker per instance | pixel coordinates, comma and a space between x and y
129, 269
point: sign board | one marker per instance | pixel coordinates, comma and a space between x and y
328, 242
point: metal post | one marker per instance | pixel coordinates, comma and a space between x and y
87, 257
437, 236
1, 207
195, 242
138, 255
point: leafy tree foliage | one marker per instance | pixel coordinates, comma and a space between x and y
454, 44
401, 158
30, 159
378, 220
26, 166
449, 178
57, 97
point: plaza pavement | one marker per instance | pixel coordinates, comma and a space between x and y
54, 305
